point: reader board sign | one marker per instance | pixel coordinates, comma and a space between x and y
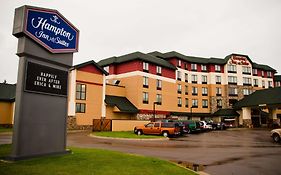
47, 80
51, 30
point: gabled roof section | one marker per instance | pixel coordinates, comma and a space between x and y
7, 92
226, 113
93, 63
156, 54
264, 67
265, 97
277, 78
136, 56
236, 54
122, 103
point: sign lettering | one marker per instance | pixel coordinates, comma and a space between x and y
45, 79
51, 30
239, 60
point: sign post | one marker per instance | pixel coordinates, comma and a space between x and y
46, 43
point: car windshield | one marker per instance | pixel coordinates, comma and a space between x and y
168, 125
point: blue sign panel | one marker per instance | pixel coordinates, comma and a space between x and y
50, 29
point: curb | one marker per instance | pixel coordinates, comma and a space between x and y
113, 138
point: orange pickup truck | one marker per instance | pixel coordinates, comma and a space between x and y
158, 128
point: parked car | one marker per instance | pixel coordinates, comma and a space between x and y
204, 126
218, 126
159, 128
276, 135
190, 126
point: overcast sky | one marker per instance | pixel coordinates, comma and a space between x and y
197, 28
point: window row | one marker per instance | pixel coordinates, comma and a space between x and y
194, 103
145, 67
194, 66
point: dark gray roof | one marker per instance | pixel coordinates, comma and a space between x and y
277, 78
159, 59
268, 97
7, 92
136, 56
226, 113
122, 103
91, 62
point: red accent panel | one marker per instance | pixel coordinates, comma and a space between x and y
144, 111
152, 68
111, 69
128, 67
222, 68
91, 69
212, 68
169, 73
174, 61
199, 68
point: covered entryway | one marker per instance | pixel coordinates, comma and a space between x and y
228, 116
260, 108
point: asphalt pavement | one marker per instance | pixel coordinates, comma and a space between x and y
230, 152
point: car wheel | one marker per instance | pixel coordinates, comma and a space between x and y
165, 134
188, 131
276, 138
139, 132
135, 130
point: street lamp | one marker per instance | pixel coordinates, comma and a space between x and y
154, 113
191, 111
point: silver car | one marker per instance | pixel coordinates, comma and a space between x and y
276, 135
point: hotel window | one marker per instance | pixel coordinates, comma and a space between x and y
159, 84
145, 67
247, 81
159, 99
194, 103
203, 68
179, 102
217, 68
194, 78
145, 97
186, 90
80, 92
204, 103
246, 91
262, 73
269, 74
194, 90
145, 82
278, 84
246, 70
270, 84
179, 75
204, 79
232, 80
179, 88
179, 63
255, 71
186, 66
218, 79
232, 91
186, 77
219, 103
256, 82
158, 70
218, 91
263, 83
186, 102
204, 91
193, 67
80, 107
231, 68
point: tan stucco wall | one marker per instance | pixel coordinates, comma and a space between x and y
126, 125
111, 114
115, 90
6, 112
94, 97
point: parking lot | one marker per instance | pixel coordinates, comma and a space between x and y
238, 151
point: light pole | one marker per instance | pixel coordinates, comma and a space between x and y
154, 112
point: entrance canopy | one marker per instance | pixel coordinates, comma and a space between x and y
262, 98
